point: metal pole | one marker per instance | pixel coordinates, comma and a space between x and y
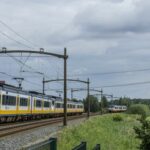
65, 87
43, 85
112, 97
101, 101
88, 97
71, 94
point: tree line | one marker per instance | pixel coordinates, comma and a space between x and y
102, 104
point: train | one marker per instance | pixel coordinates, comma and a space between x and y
17, 104
117, 108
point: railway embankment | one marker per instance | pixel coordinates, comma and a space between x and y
109, 130
112, 131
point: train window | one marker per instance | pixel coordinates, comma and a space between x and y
50, 104
61, 105
58, 105
23, 101
9, 100
38, 103
46, 104
53, 102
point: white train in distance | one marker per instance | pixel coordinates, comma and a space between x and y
117, 108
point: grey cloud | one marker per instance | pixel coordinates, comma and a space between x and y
100, 35
111, 18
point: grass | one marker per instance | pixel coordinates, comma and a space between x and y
102, 130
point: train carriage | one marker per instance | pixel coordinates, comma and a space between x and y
47, 106
16, 104
8, 103
23, 104
117, 108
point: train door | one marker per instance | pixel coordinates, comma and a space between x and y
53, 107
0, 100
17, 103
29, 104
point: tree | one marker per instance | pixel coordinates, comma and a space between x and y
94, 104
104, 102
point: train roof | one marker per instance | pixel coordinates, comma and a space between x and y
117, 105
14, 89
11, 88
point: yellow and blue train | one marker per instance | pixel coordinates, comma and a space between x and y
16, 104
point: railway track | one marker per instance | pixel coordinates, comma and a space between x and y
16, 128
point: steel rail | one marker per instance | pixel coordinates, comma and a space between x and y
24, 127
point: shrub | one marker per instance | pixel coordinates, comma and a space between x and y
143, 133
148, 119
140, 109
117, 118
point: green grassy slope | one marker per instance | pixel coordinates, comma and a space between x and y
102, 130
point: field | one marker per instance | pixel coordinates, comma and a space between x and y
112, 135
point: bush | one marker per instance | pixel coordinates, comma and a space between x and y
148, 119
143, 133
117, 118
140, 109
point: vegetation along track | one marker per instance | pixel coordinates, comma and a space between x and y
12, 129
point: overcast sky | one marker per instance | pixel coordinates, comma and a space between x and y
100, 36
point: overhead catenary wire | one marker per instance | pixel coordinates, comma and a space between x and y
12, 76
18, 34
25, 62
22, 63
112, 72
124, 84
114, 85
18, 42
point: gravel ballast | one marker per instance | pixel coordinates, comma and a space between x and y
24, 139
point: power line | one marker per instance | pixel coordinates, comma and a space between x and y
6, 74
18, 42
113, 72
22, 63
25, 62
126, 84
115, 85
33, 83
19, 35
